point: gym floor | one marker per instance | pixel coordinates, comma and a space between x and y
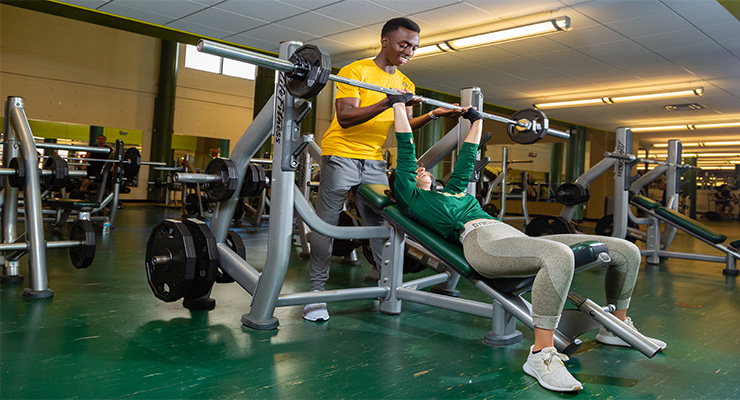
105, 335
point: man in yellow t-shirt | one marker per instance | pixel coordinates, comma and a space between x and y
350, 148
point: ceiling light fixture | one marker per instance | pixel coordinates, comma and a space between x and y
559, 24
690, 127
699, 144
623, 99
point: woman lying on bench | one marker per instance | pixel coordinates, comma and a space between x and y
497, 250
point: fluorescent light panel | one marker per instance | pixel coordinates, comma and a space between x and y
699, 144
558, 24
622, 99
690, 127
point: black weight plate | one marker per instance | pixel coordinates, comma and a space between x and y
226, 186
491, 209
235, 243
537, 130
343, 247
131, 163
171, 280
313, 81
60, 173
191, 206
207, 258
82, 256
239, 210
19, 178
542, 225
255, 181
605, 227
572, 194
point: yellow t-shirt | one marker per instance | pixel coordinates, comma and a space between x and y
363, 141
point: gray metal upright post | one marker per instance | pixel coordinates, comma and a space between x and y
11, 272
672, 189
470, 96
38, 283
622, 174
286, 132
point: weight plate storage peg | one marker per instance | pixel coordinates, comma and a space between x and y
536, 126
171, 260
60, 173
207, 258
223, 188
236, 244
543, 225
572, 194
82, 255
131, 163
312, 67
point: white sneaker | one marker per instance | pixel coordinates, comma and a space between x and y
548, 368
606, 337
315, 312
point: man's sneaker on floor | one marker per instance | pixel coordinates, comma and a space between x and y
547, 367
315, 312
607, 337
373, 277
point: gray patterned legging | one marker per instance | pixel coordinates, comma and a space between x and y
499, 250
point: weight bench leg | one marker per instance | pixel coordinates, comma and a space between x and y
503, 328
731, 268
391, 271
448, 288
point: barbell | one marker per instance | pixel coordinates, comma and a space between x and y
308, 71
631, 158
220, 179
54, 176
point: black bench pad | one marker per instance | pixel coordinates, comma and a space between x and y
71, 204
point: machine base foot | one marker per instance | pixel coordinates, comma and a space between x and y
37, 294
11, 279
199, 304
268, 325
492, 339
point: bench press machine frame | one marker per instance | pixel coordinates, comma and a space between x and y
282, 115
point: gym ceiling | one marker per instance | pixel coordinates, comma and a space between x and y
613, 48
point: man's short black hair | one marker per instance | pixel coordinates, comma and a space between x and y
400, 22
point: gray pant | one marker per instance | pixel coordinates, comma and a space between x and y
499, 250
339, 175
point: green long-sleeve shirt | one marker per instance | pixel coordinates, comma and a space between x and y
446, 211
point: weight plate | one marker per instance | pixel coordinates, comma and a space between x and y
537, 129
131, 163
572, 194
491, 209
239, 210
60, 173
235, 243
315, 65
82, 256
207, 258
19, 178
225, 187
171, 260
343, 247
255, 181
605, 227
542, 225
191, 206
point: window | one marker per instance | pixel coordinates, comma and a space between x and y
218, 65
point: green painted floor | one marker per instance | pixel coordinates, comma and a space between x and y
104, 335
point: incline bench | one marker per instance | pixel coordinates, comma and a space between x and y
693, 227
507, 303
